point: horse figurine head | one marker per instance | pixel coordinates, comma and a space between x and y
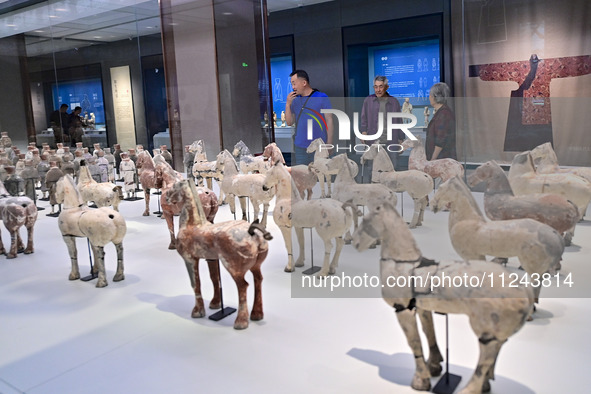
273, 153
315, 146
487, 172
544, 154
67, 194
223, 159
144, 161
522, 164
240, 149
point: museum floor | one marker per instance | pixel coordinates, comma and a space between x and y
137, 336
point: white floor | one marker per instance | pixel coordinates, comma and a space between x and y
60, 336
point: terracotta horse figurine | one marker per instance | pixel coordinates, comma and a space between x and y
501, 204
242, 186
103, 194
547, 163
15, 213
304, 178
247, 161
495, 312
525, 180
328, 217
441, 168
417, 184
166, 177
538, 246
203, 168
319, 166
101, 226
147, 176
347, 190
241, 247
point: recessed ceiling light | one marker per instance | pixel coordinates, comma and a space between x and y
52, 16
61, 9
149, 27
226, 13
97, 37
173, 24
11, 25
39, 31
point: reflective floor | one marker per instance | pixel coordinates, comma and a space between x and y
61, 336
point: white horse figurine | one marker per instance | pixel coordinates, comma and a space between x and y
100, 226
16, 212
319, 166
417, 184
328, 217
495, 312
347, 190
202, 168
242, 186
547, 163
524, 180
247, 161
440, 168
304, 178
102, 194
538, 246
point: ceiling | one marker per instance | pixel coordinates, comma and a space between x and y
53, 26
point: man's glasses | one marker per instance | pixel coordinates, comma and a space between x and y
379, 87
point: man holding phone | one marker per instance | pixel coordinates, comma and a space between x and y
305, 103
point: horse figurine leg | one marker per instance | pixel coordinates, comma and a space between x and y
169, 217
29, 225
14, 244
99, 265
257, 308
408, 322
119, 275
193, 270
435, 357
147, 196
301, 241
243, 207
73, 252
286, 232
214, 274
241, 321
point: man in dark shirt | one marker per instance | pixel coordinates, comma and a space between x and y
58, 121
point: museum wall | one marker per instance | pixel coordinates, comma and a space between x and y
243, 84
193, 47
317, 33
12, 101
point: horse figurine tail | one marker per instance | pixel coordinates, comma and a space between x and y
257, 226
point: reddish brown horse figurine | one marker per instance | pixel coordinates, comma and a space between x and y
146, 173
166, 176
241, 246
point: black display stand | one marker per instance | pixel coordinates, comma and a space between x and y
225, 311
313, 269
448, 382
92, 274
158, 212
